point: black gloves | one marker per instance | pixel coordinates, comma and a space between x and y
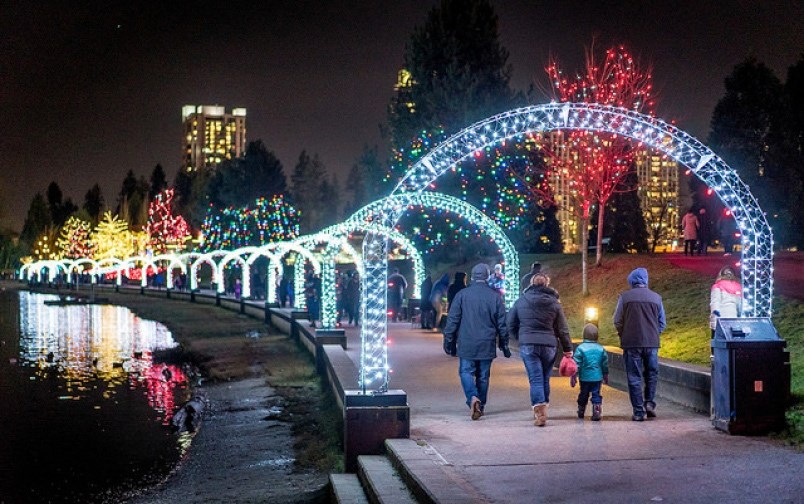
506, 352
450, 346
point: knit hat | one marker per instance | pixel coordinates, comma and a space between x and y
480, 272
590, 332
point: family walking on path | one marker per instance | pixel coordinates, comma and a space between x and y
477, 326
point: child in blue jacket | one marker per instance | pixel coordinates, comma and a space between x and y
593, 370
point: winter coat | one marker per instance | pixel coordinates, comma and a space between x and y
456, 286
427, 288
690, 226
639, 317
538, 319
439, 292
497, 282
726, 297
592, 360
396, 289
476, 319
351, 294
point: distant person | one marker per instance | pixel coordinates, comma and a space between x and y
425, 309
457, 285
352, 298
725, 297
727, 229
497, 280
282, 283
690, 225
538, 322
437, 295
524, 283
396, 293
639, 319
475, 328
593, 370
703, 232
312, 297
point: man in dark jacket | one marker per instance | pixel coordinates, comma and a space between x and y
524, 283
396, 293
639, 320
475, 327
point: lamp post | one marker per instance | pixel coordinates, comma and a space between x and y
591, 315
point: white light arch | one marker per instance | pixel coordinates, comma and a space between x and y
757, 238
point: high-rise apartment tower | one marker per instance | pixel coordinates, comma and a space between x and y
211, 135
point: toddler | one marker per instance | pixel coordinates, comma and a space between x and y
593, 370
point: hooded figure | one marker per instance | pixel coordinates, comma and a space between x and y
639, 319
725, 298
437, 296
456, 286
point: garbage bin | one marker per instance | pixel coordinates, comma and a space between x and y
750, 376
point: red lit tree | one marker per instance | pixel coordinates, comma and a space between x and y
166, 232
592, 167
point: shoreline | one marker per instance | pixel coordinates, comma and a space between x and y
264, 435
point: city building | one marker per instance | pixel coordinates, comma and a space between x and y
211, 135
658, 190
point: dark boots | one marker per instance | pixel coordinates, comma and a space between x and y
596, 412
581, 411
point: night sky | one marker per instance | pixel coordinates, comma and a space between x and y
90, 90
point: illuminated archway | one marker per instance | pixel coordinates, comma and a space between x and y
757, 238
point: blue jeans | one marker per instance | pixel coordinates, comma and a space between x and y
475, 379
538, 361
587, 388
642, 368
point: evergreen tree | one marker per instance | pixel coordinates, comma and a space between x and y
626, 228
459, 72
238, 182
93, 203
37, 221
330, 197
306, 179
366, 180
748, 131
158, 182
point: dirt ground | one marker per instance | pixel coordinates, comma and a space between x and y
268, 432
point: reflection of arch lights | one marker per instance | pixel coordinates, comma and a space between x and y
757, 239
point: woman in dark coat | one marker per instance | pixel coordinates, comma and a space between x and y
437, 296
538, 322
352, 298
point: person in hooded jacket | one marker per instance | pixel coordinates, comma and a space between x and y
538, 322
475, 328
458, 283
425, 307
639, 319
725, 298
437, 296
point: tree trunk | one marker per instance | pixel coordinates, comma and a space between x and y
599, 249
584, 253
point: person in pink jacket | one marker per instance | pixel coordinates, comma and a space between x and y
725, 298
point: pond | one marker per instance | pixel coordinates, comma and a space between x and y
85, 404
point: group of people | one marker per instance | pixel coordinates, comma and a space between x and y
477, 326
697, 229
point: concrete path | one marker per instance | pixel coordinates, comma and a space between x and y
677, 457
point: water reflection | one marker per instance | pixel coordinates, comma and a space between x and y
83, 344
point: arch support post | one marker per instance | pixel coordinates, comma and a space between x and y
374, 307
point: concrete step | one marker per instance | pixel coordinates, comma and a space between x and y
382, 482
346, 489
428, 475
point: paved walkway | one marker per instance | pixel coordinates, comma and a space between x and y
677, 457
